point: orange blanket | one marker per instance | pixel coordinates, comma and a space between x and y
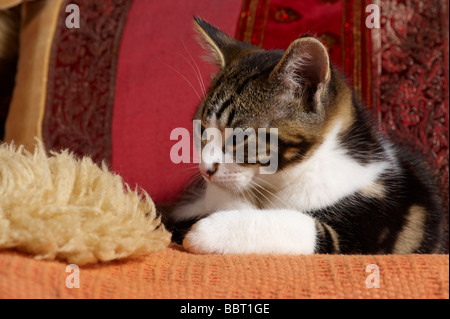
174, 273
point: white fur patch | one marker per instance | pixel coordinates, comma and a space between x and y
253, 231
326, 177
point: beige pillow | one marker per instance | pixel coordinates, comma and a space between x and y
26, 112
62, 207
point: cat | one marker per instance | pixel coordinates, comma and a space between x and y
340, 186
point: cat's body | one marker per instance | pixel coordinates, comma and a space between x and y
339, 187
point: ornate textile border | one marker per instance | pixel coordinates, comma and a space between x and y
413, 101
81, 81
401, 71
252, 21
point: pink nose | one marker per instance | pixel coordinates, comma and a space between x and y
210, 171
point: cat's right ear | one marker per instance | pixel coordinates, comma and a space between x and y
305, 70
222, 48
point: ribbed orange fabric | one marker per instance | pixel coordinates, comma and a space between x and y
174, 273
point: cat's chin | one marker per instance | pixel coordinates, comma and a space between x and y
231, 186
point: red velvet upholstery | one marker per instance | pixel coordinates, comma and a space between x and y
157, 88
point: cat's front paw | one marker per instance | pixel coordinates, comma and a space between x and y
252, 231
211, 235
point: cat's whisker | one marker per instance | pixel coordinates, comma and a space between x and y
266, 190
267, 183
283, 174
190, 84
252, 197
196, 74
242, 191
199, 74
261, 202
188, 167
269, 201
193, 167
234, 191
197, 178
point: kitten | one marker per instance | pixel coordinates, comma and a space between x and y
339, 185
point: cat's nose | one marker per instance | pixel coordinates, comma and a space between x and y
211, 170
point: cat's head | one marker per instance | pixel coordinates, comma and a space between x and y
290, 96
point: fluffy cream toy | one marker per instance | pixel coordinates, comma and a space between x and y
62, 207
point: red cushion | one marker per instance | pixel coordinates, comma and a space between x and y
152, 97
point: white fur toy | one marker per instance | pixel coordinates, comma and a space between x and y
62, 207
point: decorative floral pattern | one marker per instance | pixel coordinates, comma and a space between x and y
331, 41
252, 21
82, 79
284, 14
413, 104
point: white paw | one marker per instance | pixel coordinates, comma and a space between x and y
253, 231
210, 235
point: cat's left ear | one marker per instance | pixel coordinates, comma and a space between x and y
223, 48
304, 68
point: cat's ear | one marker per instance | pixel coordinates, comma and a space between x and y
304, 68
223, 48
